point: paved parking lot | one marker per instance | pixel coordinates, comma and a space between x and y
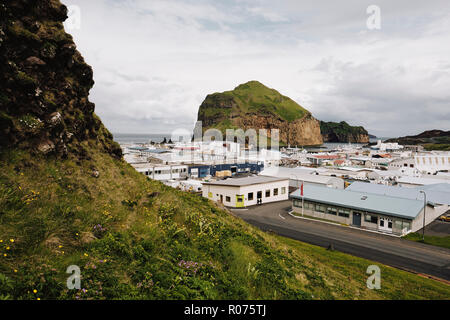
393, 251
437, 228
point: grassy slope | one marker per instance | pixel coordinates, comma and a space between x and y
49, 209
431, 240
254, 97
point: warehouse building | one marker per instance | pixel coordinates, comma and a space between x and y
202, 171
249, 191
374, 212
297, 176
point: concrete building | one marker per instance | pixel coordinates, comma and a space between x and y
202, 170
369, 211
297, 176
249, 191
162, 172
426, 163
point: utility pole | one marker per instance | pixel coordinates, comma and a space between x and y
424, 209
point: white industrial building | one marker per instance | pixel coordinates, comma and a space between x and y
426, 162
249, 191
308, 176
375, 212
162, 172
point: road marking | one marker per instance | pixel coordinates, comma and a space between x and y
281, 216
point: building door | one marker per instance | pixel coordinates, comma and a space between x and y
385, 224
239, 201
259, 197
221, 198
357, 219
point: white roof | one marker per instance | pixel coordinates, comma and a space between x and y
296, 174
421, 180
438, 197
247, 181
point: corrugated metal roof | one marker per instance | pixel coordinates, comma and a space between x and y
391, 206
433, 197
422, 180
238, 182
297, 174
443, 187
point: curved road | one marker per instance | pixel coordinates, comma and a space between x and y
392, 251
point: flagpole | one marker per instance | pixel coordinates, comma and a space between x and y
303, 202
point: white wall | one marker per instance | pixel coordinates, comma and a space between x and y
232, 192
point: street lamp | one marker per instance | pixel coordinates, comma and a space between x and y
424, 209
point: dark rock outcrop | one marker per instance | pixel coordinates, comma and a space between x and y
426, 137
45, 83
343, 132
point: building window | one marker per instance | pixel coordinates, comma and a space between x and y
267, 193
275, 191
283, 190
250, 196
227, 199
320, 208
344, 213
298, 203
371, 219
239, 199
332, 211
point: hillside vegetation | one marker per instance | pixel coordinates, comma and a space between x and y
253, 97
343, 132
68, 198
134, 238
254, 106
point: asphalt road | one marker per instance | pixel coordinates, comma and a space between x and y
392, 251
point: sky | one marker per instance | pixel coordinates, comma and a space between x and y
155, 61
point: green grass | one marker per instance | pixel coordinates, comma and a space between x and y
432, 240
156, 242
254, 97
437, 146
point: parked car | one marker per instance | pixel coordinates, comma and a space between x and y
445, 218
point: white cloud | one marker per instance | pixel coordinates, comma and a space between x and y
155, 61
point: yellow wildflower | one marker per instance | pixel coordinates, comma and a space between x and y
34, 291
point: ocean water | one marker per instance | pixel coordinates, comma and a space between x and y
159, 137
141, 138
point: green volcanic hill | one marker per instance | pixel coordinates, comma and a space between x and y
343, 132
252, 105
67, 198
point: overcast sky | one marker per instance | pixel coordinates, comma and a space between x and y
156, 60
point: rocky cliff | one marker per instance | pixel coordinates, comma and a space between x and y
255, 106
45, 83
343, 132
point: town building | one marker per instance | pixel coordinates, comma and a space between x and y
306, 176
248, 191
380, 213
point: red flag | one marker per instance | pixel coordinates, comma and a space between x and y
302, 190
